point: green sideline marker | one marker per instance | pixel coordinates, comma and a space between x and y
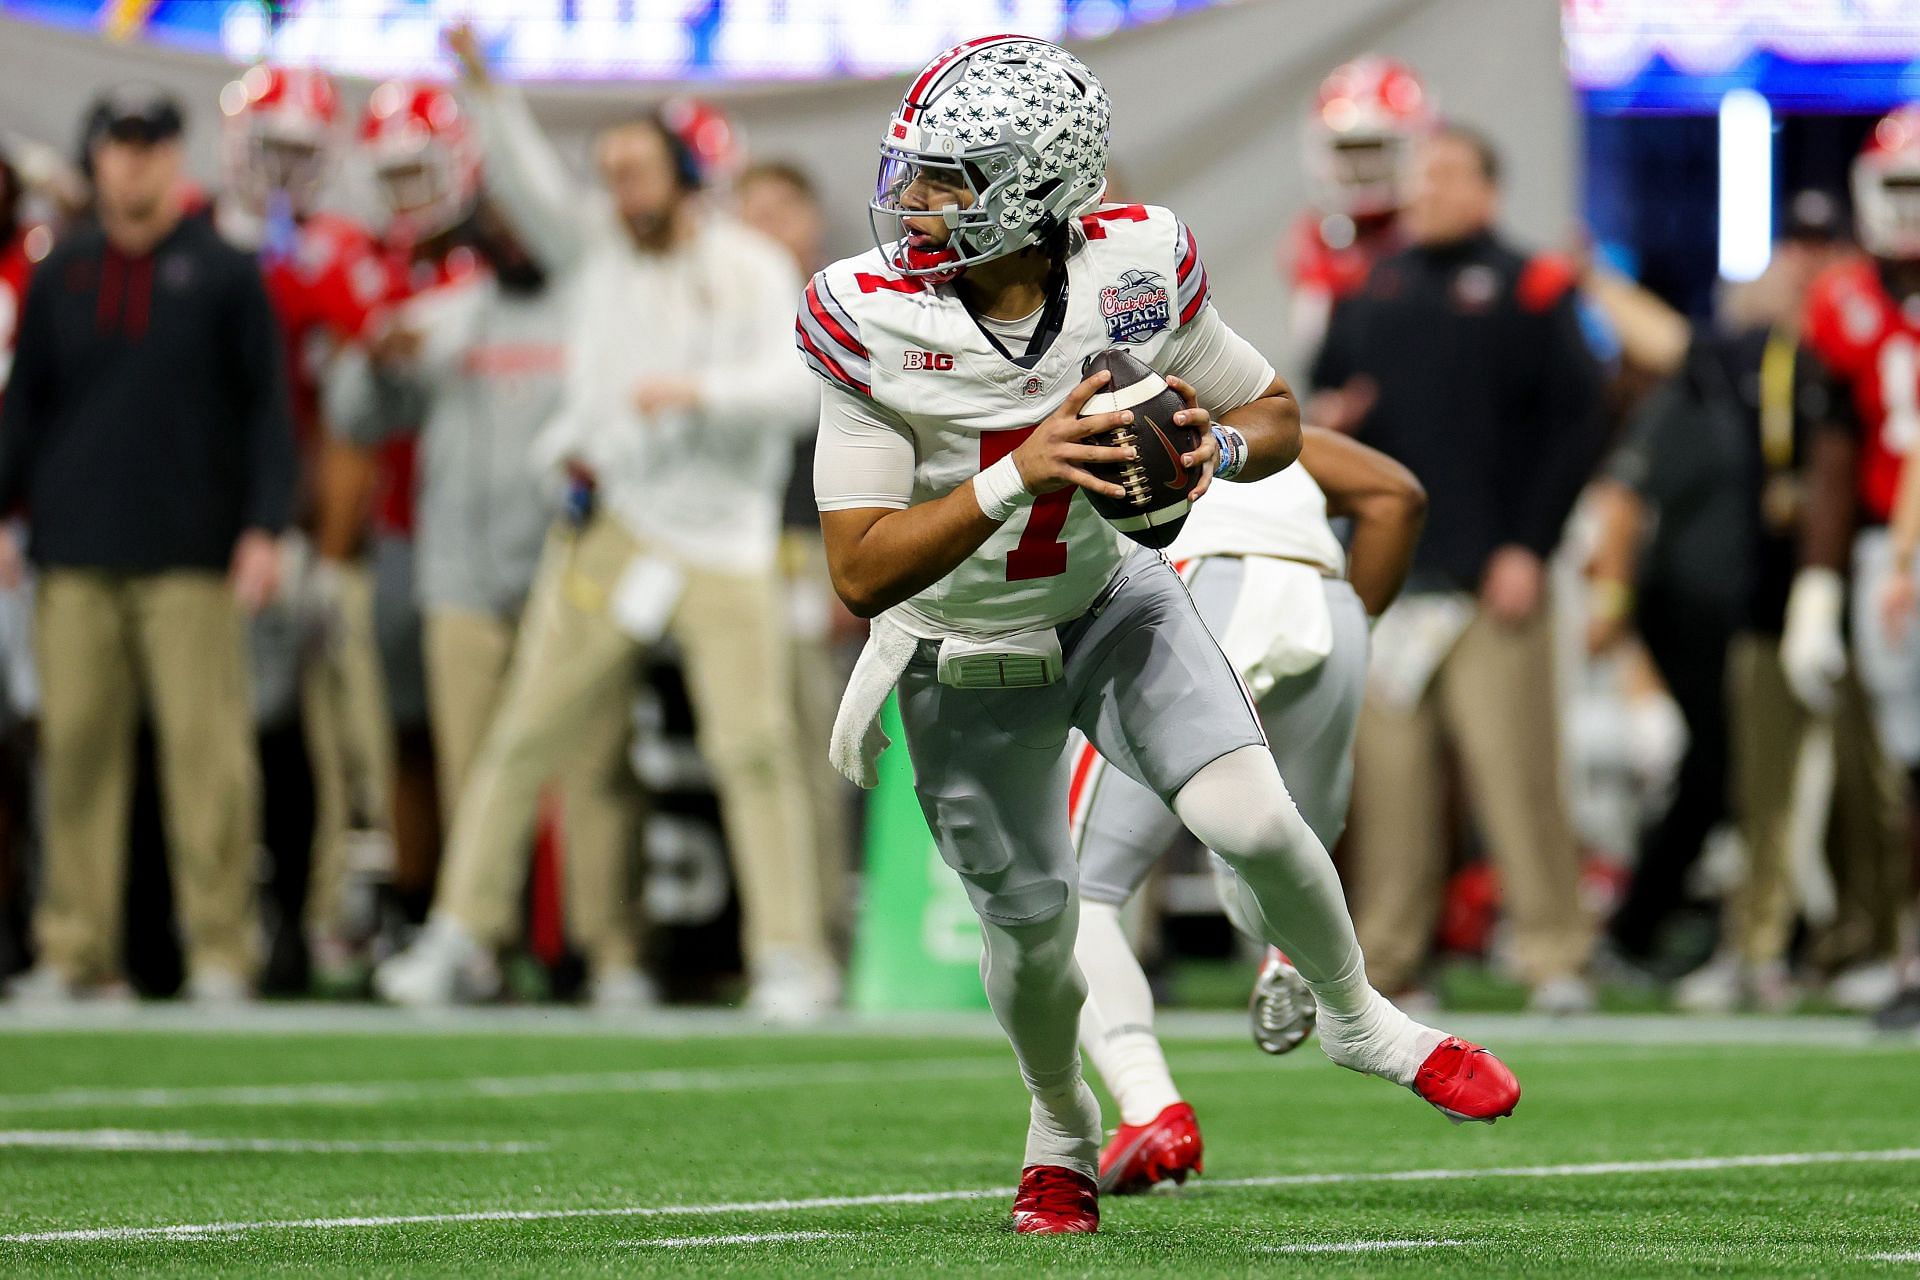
918, 944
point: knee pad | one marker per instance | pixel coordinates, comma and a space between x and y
1005, 890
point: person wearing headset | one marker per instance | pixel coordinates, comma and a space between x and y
671, 445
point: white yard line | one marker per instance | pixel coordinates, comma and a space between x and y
759, 1237
1894, 1257
183, 1231
361, 1093
1361, 1246
148, 1140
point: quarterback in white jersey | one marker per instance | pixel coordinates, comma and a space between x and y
1007, 614
1290, 608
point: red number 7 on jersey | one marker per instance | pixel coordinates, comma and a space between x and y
1040, 552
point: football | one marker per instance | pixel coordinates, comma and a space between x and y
1158, 484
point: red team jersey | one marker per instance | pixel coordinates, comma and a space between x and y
1871, 347
324, 286
1319, 275
1311, 264
16, 266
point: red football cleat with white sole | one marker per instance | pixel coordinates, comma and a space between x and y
1466, 1082
1167, 1147
1053, 1201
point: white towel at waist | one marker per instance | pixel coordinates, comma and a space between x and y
858, 738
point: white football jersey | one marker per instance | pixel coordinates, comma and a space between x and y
1283, 515
1134, 277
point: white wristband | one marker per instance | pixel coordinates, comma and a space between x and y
1233, 451
1000, 491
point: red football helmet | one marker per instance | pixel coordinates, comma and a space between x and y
1360, 136
1886, 186
423, 154
277, 135
712, 141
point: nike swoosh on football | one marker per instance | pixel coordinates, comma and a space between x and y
1179, 467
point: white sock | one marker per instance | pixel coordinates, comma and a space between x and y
1284, 890
1116, 1023
1058, 1124
1036, 991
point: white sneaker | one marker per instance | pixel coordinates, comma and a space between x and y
445, 965
792, 988
44, 987
217, 989
1562, 997
1865, 987
1715, 987
622, 990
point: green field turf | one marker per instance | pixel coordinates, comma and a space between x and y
543, 1148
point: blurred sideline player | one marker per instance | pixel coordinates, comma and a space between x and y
312, 654
425, 163
1863, 322
475, 364
1291, 610
1359, 140
672, 442
951, 519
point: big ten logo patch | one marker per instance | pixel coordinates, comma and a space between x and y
1135, 307
940, 361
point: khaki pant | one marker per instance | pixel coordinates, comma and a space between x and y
108, 645
571, 661
1492, 699
1865, 840
350, 742
468, 659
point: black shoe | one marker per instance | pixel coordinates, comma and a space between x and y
1902, 1013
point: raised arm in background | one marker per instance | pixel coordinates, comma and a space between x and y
550, 209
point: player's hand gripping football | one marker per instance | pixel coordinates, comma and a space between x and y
1205, 456
1054, 456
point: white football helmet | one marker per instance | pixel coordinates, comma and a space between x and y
280, 130
1886, 187
1360, 134
1019, 123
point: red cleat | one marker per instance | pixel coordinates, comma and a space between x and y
1140, 1155
1053, 1201
1466, 1082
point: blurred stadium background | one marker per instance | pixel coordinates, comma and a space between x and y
1660, 151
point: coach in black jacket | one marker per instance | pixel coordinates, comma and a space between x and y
147, 433
1465, 361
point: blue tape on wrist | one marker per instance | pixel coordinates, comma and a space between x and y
1233, 452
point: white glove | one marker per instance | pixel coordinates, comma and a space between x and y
1811, 650
323, 604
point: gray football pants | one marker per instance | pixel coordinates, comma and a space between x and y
1145, 682
1122, 828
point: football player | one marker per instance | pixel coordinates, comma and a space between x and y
280, 139
1359, 141
425, 160
1863, 321
1291, 610
1007, 612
